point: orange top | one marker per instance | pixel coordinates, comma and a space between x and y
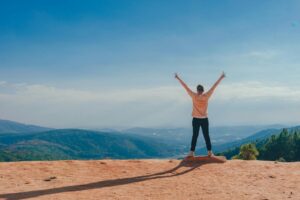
200, 104
200, 101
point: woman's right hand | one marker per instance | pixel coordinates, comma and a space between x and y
176, 76
223, 75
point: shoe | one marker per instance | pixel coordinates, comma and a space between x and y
210, 153
191, 154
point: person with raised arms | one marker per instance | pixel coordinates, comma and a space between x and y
200, 116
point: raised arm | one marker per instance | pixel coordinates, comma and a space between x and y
189, 91
211, 90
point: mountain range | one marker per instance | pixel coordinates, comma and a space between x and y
29, 142
7, 126
182, 136
79, 144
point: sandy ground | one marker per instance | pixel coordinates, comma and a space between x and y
149, 179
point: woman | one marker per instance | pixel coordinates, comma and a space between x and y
200, 118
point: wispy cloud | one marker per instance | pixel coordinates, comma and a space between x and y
262, 54
2, 83
257, 90
133, 107
54, 94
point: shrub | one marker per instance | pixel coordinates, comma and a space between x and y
248, 152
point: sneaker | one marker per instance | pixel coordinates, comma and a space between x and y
210, 153
191, 154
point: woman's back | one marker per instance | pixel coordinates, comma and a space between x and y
200, 105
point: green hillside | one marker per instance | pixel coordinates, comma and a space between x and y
79, 144
284, 146
7, 126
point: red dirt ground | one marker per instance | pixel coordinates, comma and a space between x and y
149, 179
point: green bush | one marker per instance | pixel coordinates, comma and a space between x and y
281, 159
247, 152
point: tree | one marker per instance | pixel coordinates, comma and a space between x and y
284, 146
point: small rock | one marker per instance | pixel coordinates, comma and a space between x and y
271, 176
50, 178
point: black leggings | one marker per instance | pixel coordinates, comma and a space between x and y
197, 122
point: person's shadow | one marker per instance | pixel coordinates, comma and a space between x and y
107, 183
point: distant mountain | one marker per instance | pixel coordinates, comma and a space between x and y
7, 126
182, 136
28, 142
259, 135
81, 144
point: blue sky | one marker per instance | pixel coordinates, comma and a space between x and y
101, 61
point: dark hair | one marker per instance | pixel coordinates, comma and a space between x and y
200, 88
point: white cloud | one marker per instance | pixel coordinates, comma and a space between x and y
169, 105
262, 54
2, 83
257, 90
53, 94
